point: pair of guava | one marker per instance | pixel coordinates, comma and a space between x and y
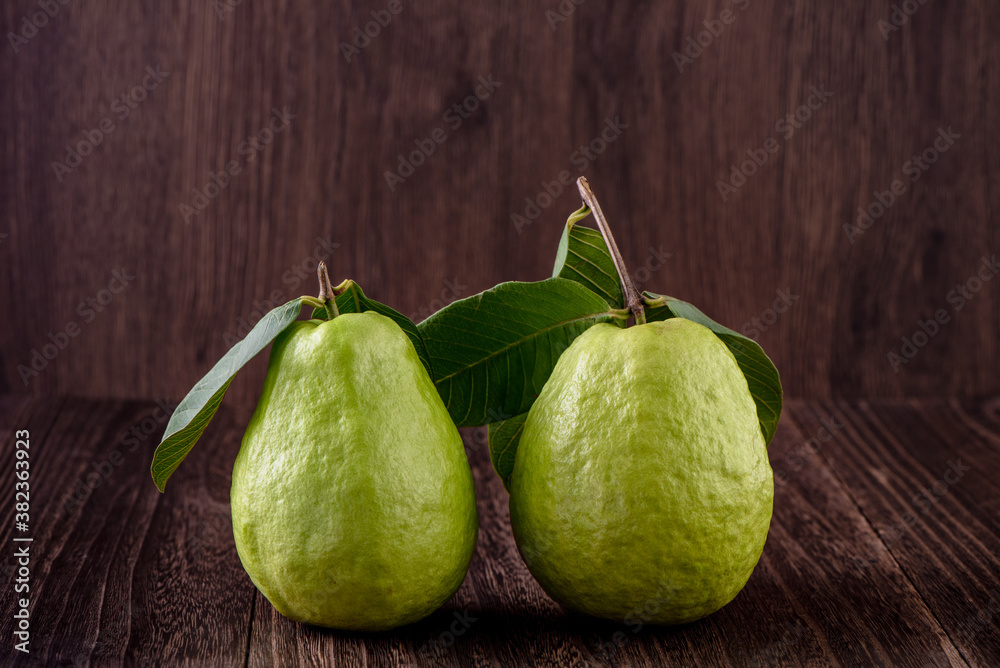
641, 487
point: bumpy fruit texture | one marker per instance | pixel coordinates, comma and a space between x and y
353, 502
641, 488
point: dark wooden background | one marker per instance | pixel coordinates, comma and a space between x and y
130, 575
447, 229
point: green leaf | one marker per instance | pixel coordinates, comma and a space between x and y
493, 352
504, 437
196, 410
761, 374
583, 257
354, 300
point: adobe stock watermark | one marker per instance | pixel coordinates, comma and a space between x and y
936, 659
714, 28
656, 259
223, 8
436, 648
247, 151
913, 168
757, 325
457, 114
292, 278
87, 310
121, 107
31, 24
982, 619
212, 529
102, 652
480, 436
381, 18
797, 457
898, 17
104, 467
562, 13
638, 617
580, 159
922, 502
958, 297
758, 157
778, 651
451, 291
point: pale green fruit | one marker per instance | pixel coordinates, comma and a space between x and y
353, 502
641, 489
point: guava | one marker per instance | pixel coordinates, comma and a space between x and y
641, 489
352, 499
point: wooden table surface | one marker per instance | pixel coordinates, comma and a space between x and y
884, 550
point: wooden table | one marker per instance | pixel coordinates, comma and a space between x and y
884, 550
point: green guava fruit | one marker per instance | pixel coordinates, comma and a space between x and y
641, 489
353, 502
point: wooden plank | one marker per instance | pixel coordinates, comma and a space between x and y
121, 573
129, 575
37, 417
924, 475
195, 598
804, 604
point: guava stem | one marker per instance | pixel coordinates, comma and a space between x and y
632, 297
326, 293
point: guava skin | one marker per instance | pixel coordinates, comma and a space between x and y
352, 499
641, 489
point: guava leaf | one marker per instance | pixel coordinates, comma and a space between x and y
196, 410
583, 257
493, 352
761, 374
504, 437
354, 300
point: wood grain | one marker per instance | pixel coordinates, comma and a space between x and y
447, 232
127, 576
120, 573
924, 476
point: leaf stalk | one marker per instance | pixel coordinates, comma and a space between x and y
632, 297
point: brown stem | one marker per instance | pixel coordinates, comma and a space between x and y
326, 293
632, 298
